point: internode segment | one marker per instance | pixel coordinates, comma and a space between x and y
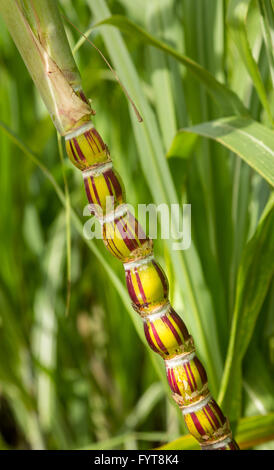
205, 420
147, 284
104, 189
148, 289
123, 235
85, 147
167, 334
187, 379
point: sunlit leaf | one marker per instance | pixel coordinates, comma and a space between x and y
236, 18
250, 140
254, 276
227, 100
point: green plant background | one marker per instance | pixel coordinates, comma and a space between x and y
87, 379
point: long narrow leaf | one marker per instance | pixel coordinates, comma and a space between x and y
267, 20
236, 18
226, 99
255, 273
251, 141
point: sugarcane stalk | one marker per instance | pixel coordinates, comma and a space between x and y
37, 28
147, 285
46, 23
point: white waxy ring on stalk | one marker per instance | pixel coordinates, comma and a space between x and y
138, 263
180, 360
159, 312
97, 170
217, 445
119, 212
80, 130
196, 406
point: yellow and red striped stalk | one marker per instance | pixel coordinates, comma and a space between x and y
147, 285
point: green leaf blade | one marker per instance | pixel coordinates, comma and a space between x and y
227, 100
254, 276
236, 18
251, 141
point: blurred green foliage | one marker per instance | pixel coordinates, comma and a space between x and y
86, 379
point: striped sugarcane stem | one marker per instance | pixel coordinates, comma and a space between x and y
148, 289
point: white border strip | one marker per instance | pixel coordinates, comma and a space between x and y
180, 360
97, 170
217, 445
80, 130
196, 406
138, 263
